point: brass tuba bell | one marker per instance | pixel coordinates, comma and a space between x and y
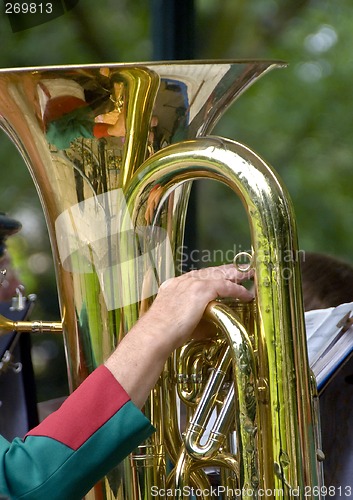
112, 150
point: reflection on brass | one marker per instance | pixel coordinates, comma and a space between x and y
112, 151
7, 325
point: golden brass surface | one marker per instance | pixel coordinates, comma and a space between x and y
8, 325
112, 150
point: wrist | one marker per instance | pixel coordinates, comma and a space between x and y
156, 332
139, 359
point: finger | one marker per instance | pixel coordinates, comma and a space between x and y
236, 274
206, 290
227, 288
226, 271
212, 282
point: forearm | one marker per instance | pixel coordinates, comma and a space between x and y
99, 423
139, 359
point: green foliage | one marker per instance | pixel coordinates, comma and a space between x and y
297, 118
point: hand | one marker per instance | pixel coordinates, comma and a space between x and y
171, 320
181, 302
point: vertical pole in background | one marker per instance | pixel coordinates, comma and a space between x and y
173, 38
173, 29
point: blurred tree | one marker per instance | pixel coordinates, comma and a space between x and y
297, 118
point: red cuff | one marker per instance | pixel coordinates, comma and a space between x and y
87, 409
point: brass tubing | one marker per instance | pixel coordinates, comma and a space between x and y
83, 176
286, 426
245, 377
7, 325
188, 473
190, 354
183, 475
199, 420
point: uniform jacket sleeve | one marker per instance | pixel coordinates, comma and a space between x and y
64, 456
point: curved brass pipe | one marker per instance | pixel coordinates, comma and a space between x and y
141, 88
183, 475
288, 449
191, 365
83, 179
198, 423
238, 412
245, 376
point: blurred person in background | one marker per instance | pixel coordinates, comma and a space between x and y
328, 282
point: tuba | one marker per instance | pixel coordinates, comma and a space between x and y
113, 150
